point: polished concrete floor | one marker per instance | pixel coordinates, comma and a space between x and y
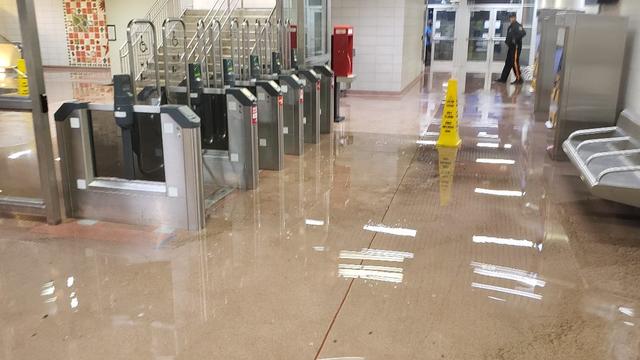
374, 245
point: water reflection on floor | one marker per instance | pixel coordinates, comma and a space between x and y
18, 157
374, 245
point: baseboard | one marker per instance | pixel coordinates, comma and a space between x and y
75, 68
400, 93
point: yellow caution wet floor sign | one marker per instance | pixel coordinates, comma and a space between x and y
449, 136
23, 82
446, 170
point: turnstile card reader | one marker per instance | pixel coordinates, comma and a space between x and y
326, 98
311, 106
293, 128
178, 201
270, 125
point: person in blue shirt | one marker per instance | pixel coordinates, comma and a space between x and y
428, 31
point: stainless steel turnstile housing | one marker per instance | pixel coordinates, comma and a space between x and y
293, 114
238, 166
177, 202
311, 106
587, 84
547, 39
327, 87
270, 125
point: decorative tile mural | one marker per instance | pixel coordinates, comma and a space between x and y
86, 29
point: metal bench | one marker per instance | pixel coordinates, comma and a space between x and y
609, 159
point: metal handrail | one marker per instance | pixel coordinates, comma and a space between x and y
154, 46
165, 31
154, 11
245, 43
213, 53
207, 20
160, 7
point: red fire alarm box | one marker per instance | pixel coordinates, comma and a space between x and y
342, 53
293, 30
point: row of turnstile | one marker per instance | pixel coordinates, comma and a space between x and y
163, 155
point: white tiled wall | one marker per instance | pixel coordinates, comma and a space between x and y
53, 40
50, 17
412, 41
378, 40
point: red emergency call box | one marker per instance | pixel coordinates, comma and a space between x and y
293, 30
342, 53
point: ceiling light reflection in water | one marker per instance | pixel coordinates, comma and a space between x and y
375, 254
507, 291
313, 222
507, 273
478, 239
495, 161
371, 272
380, 228
507, 193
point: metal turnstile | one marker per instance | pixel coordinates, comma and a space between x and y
293, 114
154, 183
587, 82
608, 159
547, 54
327, 88
270, 125
311, 118
228, 115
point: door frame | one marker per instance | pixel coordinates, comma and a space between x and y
489, 65
443, 65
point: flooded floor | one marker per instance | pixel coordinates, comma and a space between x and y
373, 245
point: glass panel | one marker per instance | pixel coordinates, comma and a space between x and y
527, 15
478, 34
502, 23
500, 50
526, 41
445, 24
524, 57
439, 2
18, 157
290, 11
477, 50
316, 27
443, 50
474, 82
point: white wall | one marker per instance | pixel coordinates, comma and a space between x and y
119, 13
412, 65
50, 18
206, 4
378, 27
631, 79
53, 39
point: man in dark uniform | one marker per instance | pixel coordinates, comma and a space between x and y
515, 33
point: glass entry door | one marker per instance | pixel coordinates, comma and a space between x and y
443, 37
486, 49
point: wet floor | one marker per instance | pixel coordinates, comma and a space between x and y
374, 245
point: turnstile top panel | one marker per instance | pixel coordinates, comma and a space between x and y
324, 70
243, 95
182, 115
270, 87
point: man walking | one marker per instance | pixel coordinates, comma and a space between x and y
515, 33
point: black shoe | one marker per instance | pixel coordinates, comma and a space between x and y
518, 82
500, 81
